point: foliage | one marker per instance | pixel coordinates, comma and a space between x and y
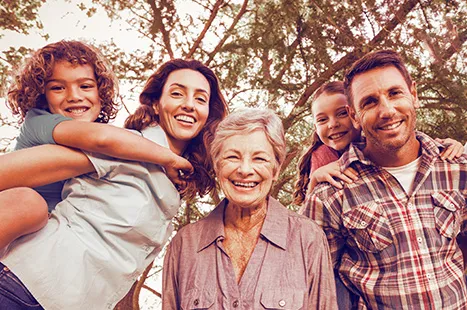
276, 53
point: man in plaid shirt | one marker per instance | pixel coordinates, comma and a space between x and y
392, 233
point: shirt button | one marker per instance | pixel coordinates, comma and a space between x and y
282, 303
419, 239
363, 223
196, 302
410, 206
235, 304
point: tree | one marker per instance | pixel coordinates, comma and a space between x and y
276, 53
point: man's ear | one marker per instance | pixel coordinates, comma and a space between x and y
353, 117
413, 92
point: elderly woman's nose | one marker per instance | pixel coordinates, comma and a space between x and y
245, 166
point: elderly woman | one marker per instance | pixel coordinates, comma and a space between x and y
250, 252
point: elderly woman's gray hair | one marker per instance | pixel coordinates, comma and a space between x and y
246, 121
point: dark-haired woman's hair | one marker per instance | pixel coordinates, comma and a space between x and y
202, 181
304, 163
28, 88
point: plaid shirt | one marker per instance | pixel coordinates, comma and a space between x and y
397, 250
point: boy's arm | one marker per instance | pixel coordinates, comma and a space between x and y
116, 142
41, 165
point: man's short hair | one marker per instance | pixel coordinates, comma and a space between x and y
373, 60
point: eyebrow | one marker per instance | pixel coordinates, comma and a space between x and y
184, 87
83, 79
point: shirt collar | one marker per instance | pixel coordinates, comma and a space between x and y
275, 226
429, 147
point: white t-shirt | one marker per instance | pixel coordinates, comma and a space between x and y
405, 174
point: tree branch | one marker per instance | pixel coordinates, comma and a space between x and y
158, 25
228, 32
207, 25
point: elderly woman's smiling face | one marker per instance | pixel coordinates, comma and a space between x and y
246, 169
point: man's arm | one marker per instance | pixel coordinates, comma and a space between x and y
328, 217
41, 165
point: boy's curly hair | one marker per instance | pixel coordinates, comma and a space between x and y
28, 88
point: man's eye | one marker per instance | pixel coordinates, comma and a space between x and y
368, 102
321, 120
56, 87
87, 86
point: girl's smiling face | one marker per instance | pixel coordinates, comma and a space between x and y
332, 122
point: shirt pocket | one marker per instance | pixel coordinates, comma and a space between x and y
282, 299
447, 206
369, 227
198, 299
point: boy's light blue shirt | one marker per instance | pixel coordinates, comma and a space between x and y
37, 129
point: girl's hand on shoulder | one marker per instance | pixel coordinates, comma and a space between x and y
453, 150
330, 171
178, 170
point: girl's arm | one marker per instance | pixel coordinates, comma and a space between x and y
330, 171
454, 149
41, 165
120, 143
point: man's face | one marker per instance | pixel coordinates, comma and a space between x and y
384, 106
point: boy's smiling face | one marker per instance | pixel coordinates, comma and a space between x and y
72, 91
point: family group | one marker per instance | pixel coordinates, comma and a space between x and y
86, 206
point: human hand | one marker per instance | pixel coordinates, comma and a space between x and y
177, 171
330, 171
453, 150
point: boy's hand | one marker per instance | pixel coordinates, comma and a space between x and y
330, 171
178, 170
453, 150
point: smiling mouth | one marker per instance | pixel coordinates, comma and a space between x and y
245, 184
337, 135
185, 119
391, 126
77, 110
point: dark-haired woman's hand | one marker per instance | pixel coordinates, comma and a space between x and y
178, 170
